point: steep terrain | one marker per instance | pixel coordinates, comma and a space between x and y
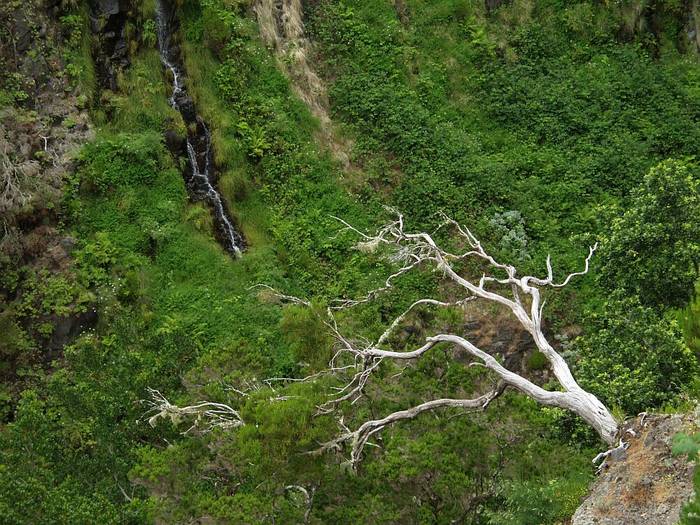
282, 28
200, 177
542, 125
44, 122
646, 483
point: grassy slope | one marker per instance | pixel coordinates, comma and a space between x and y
534, 109
176, 311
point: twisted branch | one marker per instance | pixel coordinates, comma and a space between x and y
359, 438
415, 249
206, 415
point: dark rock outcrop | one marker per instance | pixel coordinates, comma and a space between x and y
492, 5
501, 335
108, 19
41, 131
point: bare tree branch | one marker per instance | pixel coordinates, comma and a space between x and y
205, 415
308, 498
359, 438
412, 250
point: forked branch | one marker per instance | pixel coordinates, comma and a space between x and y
204, 416
519, 294
359, 438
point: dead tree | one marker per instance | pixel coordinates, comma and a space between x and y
360, 357
204, 415
501, 285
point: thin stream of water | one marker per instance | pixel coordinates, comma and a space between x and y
198, 143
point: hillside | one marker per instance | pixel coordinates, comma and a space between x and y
187, 198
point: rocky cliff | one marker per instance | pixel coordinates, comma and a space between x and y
644, 484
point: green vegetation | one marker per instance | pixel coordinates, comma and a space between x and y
690, 446
653, 250
77, 53
544, 125
633, 358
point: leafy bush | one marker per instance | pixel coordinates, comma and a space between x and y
149, 33
532, 503
47, 294
537, 361
14, 339
633, 358
122, 160
510, 226
95, 259
653, 249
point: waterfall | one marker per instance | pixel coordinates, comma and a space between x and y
200, 181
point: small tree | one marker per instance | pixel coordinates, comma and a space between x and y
653, 249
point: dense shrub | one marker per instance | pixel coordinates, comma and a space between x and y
653, 249
121, 160
633, 358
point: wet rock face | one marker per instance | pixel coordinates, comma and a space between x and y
66, 329
108, 19
175, 143
201, 176
108, 7
645, 484
185, 105
492, 5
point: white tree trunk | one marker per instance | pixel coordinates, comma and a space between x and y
521, 295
